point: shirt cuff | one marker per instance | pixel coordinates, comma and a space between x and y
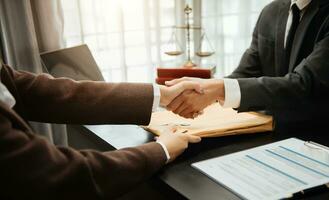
156, 99
232, 94
165, 150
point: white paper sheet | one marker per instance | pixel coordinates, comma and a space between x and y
273, 171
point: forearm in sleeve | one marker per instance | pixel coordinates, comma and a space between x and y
63, 100
32, 168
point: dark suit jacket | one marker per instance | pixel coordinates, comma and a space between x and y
32, 168
300, 97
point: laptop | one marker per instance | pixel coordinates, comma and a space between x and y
76, 63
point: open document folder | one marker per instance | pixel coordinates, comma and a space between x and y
215, 122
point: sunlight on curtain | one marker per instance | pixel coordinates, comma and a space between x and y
125, 36
229, 25
128, 37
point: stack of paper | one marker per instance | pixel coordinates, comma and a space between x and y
215, 122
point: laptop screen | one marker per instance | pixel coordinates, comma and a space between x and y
76, 63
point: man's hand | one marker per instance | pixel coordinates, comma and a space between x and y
176, 141
168, 94
189, 104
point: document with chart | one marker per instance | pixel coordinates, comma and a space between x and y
273, 171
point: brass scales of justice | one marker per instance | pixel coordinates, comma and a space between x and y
189, 68
178, 47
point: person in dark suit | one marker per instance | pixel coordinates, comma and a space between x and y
285, 71
32, 168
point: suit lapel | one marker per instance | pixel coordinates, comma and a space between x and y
280, 35
310, 13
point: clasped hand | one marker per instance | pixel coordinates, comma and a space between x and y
188, 97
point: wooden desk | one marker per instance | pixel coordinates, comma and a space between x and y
179, 176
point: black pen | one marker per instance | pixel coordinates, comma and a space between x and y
317, 189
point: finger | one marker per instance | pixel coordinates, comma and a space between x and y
174, 82
175, 103
181, 131
187, 113
195, 115
193, 138
189, 116
181, 109
171, 128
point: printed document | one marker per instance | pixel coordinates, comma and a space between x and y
273, 171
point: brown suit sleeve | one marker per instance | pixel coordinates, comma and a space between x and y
31, 168
46, 99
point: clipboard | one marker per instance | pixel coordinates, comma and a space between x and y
317, 189
281, 170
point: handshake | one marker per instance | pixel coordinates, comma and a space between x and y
187, 97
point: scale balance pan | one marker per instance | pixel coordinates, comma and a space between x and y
174, 53
204, 54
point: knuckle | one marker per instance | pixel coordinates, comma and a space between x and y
182, 115
185, 116
185, 95
195, 109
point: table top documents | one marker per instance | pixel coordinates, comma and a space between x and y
215, 122
179, 176
274, 171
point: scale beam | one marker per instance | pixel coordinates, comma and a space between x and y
191, 27
198, 52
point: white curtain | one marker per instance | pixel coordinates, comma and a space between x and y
229, 25
29, 27
129, 37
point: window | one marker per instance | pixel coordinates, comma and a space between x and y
128, 37
124, 36
229, 25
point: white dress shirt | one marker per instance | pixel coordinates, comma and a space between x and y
5, 95
156, 105
156, 100
232, 88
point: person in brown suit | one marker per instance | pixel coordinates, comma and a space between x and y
32, 168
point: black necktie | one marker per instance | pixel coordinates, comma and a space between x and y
291, 35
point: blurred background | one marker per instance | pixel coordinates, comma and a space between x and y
128, 37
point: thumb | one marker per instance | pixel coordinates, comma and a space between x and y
193, 138
171, 128
190, 85
174, 82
